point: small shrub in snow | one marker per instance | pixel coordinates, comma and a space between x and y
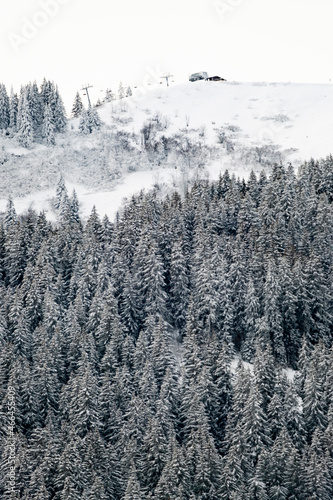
281, 118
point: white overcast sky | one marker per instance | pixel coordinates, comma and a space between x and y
104, 41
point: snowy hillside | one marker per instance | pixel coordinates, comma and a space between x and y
185, 350
168, 137
293, 116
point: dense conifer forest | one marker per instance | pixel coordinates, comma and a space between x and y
183, 352
33, 116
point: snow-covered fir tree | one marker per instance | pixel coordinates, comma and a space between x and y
77, 106
89, 121
58, 110
25, 127
109, 96
121, 91
48, 126
13, 108
4, 108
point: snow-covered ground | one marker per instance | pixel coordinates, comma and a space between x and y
295, 119
288, 372
298, 116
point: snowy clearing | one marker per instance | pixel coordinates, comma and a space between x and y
239, 127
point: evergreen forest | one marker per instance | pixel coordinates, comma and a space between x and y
33, 116
182, 352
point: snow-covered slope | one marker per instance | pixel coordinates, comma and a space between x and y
298, 116
239, 126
